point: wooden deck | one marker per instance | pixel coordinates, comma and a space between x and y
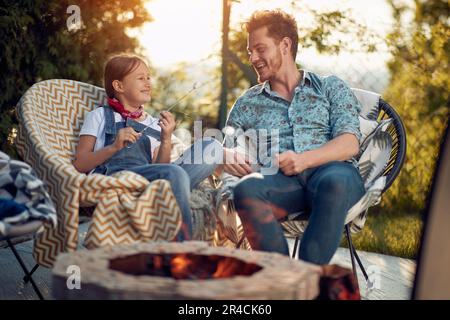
396, 275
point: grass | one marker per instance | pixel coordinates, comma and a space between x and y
392, 234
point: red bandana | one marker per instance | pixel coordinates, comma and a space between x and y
118, 107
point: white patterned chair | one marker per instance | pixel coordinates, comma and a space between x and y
382, 153
127, 207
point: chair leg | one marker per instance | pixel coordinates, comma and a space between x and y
361, 266
25, 270
297, 240
351, 249
354, 254
26, 279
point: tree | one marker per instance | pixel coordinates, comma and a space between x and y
420, 90
226, 11
36, 44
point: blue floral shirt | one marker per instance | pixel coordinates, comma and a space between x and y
322, 108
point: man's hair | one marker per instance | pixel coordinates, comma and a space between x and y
119, 66
279, 25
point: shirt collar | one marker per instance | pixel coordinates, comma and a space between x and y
265, 87
306, 80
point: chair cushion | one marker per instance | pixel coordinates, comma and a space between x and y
24, 198
376, 150
11, 210
369, 102
366, 126
357, 214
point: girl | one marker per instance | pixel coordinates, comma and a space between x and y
107, 145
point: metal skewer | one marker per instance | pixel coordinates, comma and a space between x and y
194, 87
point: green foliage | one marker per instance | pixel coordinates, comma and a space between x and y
420, 91
396, 234
35, 44
335, 31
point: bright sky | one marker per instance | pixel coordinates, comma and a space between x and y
190, 30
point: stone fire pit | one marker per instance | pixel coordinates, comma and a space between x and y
188, 270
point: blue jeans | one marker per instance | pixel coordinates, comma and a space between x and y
183, 175
326, 192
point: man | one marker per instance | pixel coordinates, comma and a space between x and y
317, 119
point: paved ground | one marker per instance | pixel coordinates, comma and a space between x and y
393, 277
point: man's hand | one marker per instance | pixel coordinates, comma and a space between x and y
235, 163
291, 163
167, 124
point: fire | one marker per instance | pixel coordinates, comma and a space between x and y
191, 266
184, 266
226, 268
180, 266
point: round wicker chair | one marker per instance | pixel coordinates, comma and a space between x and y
397, 133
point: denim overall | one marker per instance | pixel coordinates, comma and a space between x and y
183, 177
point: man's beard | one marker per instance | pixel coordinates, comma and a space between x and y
273, 68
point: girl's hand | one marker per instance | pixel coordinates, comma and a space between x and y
167, 124
124, 137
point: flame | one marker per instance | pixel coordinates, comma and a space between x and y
226, 267
181, 266
188, 266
